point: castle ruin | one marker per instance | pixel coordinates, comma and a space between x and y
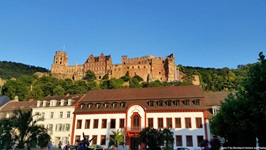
149, 68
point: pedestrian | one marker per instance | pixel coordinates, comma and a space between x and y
60, 145
49, 145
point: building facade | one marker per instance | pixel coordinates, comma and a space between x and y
57, 112
149, 68
180, 108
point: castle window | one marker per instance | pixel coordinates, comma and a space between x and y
160, 103
186, 102
114, 104
144, 66
100, 77
163, 62
124, 63
132, 67
159, 72
151, 103
127, 67
138, 66
139, 62
60, 62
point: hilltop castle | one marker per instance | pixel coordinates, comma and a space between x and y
149, 68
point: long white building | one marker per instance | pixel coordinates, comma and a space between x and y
181, 108
57, 112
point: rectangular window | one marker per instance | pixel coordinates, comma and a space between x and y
104, 123
79, 122
61, 114
188, 122
160, 122
50, 127
150, 122
178, 139
169, 122
68, 114
95, 123
77, 137
112, 123
87, 123
199, 140
103, 139
94, 141
198, 122
121, 123
177, 122
189, 140
52, 115
67, 127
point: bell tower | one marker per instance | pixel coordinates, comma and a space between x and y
60, 63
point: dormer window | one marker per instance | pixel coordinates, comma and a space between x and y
177, 102
196, 102
168, 103
186, 102
123, 104
62, 102
90, 105
44, 104
151, 103
53, 102
114, 104
106, 105
69, 102
39, 103
81, 106
160, 103
98, 105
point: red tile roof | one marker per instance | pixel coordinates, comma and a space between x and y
215, 98
145, 93
23, 105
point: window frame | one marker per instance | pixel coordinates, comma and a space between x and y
160, 122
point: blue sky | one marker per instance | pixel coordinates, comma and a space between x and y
200, 33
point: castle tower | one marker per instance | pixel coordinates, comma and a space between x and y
60, 63
171, 68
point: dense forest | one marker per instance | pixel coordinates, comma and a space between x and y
10, 70
29, 86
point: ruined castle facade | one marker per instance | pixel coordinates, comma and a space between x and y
149, 68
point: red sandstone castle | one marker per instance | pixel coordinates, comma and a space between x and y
150, 68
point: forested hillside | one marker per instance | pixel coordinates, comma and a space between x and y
29, 86
221, 79
9, 70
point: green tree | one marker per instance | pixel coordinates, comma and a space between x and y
105, 77
126, 77
58, 90
118, 138
6, 133
242, 117
134, 83
152, 137
24, 129
90, 76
